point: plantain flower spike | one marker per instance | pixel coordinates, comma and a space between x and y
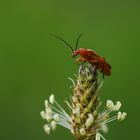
85, 121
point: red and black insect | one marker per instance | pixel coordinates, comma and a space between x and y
90, 56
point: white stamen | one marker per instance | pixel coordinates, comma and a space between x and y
89, 120
110, 119
82, 131
51, 99
109, 104
53, 125
64, 112
47, 129
124, 115
48, 117
117, 106
42, 113
59, 111
62, 117
74, 99
97, 136
72, 131
46, 104
56, 117
104, 128
48, 111
65, 125
76, 111
121, 116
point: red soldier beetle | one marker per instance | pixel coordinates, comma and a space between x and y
88, 55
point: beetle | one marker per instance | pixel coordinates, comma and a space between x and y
88, 55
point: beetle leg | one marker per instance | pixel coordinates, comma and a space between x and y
94, 60
80, 59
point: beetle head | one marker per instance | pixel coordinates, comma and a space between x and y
75, 53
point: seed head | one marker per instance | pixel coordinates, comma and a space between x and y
84, 121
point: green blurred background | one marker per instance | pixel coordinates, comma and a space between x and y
34, 65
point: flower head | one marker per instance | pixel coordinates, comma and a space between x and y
85, 121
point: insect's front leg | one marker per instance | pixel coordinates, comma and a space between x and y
93, 61
80, 59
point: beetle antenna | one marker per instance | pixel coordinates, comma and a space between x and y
62, 41
78, 40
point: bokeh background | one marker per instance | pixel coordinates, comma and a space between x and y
34, 64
